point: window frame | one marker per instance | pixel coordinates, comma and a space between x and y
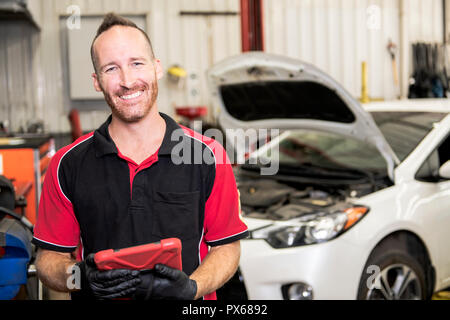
433, 179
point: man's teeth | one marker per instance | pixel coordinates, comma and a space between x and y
132, 96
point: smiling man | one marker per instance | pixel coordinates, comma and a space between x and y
118, 187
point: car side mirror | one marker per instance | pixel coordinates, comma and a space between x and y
444, 170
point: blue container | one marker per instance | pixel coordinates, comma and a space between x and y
15, 240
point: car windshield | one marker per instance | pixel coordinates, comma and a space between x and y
405, 130
323, 149
402, 130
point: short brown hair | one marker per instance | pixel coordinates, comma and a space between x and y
110, 20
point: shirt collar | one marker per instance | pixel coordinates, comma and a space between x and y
169, 141
103, 142
105, 145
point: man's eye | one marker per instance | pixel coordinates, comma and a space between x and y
137, 64
110, 69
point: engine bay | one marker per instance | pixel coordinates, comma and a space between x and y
276, 200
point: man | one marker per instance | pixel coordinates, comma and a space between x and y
120, 186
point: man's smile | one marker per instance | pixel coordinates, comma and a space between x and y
135, 95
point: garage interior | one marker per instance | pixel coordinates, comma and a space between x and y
389, 58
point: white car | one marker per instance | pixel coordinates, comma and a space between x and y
359, 207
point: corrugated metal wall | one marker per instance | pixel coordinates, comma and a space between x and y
17, 44
447, 6
337, 35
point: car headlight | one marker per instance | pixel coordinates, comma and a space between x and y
318, 229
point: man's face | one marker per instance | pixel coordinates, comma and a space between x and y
127, 73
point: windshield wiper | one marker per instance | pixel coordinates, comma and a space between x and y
343, 171
312, 171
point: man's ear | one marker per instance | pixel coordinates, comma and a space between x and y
159, 69
96, 82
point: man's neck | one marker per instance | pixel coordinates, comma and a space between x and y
141, 139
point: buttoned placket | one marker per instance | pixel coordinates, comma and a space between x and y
134, 168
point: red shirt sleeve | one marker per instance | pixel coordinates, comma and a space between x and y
56, 227
222, 216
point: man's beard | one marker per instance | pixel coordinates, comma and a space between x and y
122, 112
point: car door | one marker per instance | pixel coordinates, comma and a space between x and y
437, 204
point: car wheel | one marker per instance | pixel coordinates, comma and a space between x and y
392, 273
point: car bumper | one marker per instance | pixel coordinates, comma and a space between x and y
333, 269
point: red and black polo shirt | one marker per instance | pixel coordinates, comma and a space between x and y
94, 198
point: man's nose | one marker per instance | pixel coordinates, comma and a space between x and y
127, 78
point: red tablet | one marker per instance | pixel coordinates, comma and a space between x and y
167, 251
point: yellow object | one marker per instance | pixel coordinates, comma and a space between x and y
364, 88
177, 71
443, 295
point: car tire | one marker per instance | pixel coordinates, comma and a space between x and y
392, 272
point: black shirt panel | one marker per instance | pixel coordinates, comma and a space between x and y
167, 200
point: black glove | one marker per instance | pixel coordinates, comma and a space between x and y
109, 284
164, 282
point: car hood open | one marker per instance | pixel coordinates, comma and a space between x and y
264, 91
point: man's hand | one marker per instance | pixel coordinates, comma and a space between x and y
170, 283
164, 282
109, 284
